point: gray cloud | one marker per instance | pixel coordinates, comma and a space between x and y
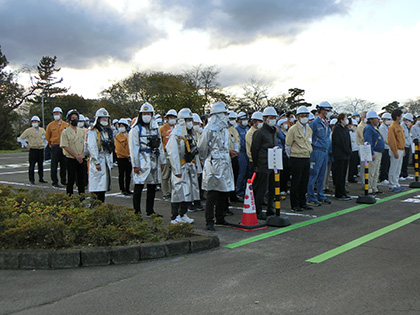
242, 21
79, 37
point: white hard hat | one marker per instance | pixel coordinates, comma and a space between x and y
35, 118
196, 118
146, 108
408, 116
282, 121
57, 110
171, 112
372, 114
386, 116
355, 114
101, 112
123, 121
302, 110
257, 116
325, 105
157, 116
86, 118
81, 117
185, 113
217, 108
242, 115
269, 111
311, 116
114, 121
233, 115
333, 121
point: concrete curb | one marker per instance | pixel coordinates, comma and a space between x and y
101, 256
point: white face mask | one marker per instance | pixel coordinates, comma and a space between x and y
285, 126
259, 125
147, 118
292, 119
197, 128
57, 117
245, 122
271, 122
346, 121
388, 122
170, 121
35, 125
357, 119
365, 120
80, 124
104, 123
304, 120
233, 123
122, 129
328, 115
189, 125
407, 123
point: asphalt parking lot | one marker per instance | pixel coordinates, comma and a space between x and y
343, 258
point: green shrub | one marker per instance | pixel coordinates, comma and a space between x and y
36, 219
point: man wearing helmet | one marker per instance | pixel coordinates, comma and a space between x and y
147, 158
33, 139
299, 148
256, 123
165, 130
72, 142
321, 142
53, 135
100, 145
183, 155
214, 146
234, 150
123, 157
384, 168
243, 160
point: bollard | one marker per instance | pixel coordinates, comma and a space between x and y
276, 220
366, 198
416, 184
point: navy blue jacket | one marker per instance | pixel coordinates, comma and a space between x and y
374, 138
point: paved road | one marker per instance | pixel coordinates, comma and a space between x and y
261, 272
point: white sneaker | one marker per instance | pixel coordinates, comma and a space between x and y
409, 177
186, 219
402, 178
384, 182
178, 219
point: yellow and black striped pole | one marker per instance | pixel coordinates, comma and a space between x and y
416, 184
366, 178
277, 192
366, 198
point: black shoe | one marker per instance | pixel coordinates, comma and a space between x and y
306, 207
228, 213
210, 227
32, 182
240, 198
270, 213
56, 185
325, 201
149, 215
43, 181
261, 217
199, 207
379, 192
64, 183
222, 223
129, 192
296, 209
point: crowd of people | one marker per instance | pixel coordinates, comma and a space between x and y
186, 155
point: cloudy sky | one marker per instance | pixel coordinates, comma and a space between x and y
333, 49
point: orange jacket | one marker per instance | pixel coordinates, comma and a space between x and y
396, 138
121, 146
54, 130
164, 134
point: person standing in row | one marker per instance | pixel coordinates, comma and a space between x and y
396, 142
183, 155
123, 157
72, 143
354, 158
234, 151
407, 120
53, 135
256, 123
341, 148
100, 146
147, 158
383, 129
243, 160
214, 146
299, 148
33, 139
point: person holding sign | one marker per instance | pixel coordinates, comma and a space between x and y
372, 135
341, 148
262, 140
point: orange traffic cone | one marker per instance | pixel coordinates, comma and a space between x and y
249, 216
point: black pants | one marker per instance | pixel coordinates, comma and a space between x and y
57, 157
285, 174
219, 200
150, 198
100, 195
340, 172
384, 168
75, 170
353, 163
124, 174
235, 169
36, 156
404, 166
179, 208
264, 181
299, 169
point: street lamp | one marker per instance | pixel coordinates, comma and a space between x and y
42, 103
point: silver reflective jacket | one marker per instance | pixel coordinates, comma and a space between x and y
98, 180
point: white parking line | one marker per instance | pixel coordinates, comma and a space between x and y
23, 172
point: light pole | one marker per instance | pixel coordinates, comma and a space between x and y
42, 103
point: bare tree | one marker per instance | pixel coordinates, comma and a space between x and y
256, 94
413, 106
354, 104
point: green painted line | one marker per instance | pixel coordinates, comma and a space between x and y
311, 221
361, 240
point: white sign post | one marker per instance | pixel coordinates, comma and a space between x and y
365, 153
275, 159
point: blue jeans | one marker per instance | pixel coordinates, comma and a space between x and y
319, 161
243, 174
